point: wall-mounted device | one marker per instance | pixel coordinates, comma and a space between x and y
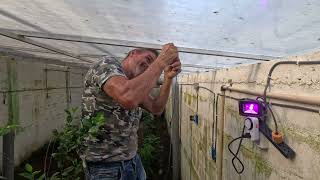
255, 116
251, 108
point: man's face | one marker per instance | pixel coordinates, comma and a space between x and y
139, 61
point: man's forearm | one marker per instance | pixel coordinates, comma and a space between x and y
140, 86
161, 101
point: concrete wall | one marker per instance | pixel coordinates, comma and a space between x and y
40, 101
301, 129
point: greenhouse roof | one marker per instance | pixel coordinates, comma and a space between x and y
209, 34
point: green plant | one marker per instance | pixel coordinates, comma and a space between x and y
151, 142
147, 152
36, 175
8, 128
70, 141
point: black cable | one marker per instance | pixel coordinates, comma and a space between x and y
273, 117
207, 89
272, 114
235, 155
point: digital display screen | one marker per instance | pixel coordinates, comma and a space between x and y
250, 108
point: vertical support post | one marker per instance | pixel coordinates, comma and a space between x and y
46, 81
68, 94
175, 139
220, 137
13, 118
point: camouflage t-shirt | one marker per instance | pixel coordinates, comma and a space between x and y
117, 139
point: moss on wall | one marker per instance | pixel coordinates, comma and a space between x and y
262, 166
313, 140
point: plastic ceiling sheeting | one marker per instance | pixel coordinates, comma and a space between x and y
265, 27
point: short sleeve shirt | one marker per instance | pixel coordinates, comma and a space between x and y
117, 140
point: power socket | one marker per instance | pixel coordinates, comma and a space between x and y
252, 127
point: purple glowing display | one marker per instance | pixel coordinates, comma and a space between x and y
250, 108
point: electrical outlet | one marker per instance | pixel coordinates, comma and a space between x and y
252, 127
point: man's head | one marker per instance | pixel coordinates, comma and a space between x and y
138, 60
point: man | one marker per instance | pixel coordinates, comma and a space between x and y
119, 90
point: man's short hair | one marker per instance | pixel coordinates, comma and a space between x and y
155, 52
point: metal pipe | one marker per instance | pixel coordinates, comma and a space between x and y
313, 110
310, 100
281, 63
220, 132
23, 38
134, 44
39, 89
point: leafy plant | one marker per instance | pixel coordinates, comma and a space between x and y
8, 128
70, 141
147, 152
35, 175
150, 145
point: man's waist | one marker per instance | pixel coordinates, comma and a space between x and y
109, 163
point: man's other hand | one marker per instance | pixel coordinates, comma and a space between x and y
168, 54
172, 70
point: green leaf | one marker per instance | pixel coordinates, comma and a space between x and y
55, 174
67, 170
36, 173
26, 175
41, 177
28, 168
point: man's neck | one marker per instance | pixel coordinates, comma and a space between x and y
125, 70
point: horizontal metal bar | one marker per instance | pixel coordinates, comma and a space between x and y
17, 48
199, 66
11, 48
23, 38
35, 58
40, 89
134, 44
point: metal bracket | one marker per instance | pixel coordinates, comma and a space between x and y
284, 149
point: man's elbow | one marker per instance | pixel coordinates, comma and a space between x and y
128, 103
157, 112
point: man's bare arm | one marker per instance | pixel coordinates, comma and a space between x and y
131, 93
157, 105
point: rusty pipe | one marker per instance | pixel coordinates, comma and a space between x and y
310, 100
284, 63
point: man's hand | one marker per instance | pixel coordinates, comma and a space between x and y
168, 54
172, 70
